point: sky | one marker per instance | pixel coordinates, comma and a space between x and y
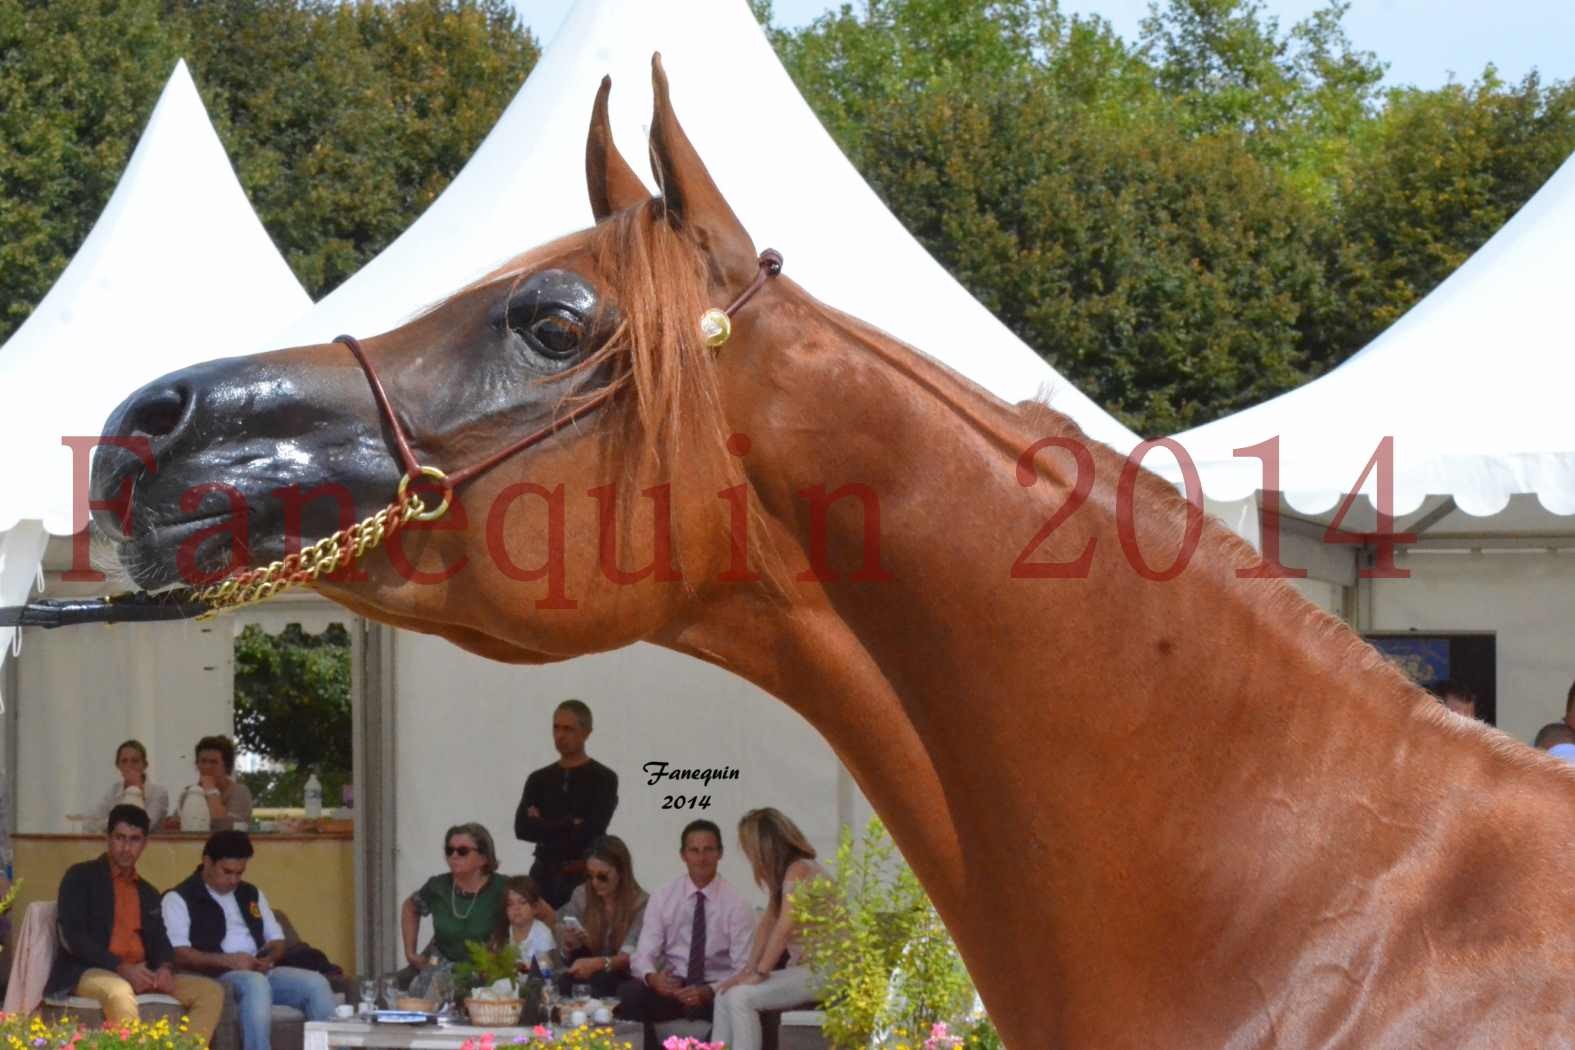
1424, 41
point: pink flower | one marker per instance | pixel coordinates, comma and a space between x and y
469, 1044
487, 1041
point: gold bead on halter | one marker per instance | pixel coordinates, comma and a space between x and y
715, 328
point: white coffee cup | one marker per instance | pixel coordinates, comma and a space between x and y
344, 1011
603, 1015
577, 1018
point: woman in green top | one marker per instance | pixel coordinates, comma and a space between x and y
465, 905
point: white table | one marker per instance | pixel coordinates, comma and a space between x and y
330, 1035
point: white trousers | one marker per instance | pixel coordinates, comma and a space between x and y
736, 1020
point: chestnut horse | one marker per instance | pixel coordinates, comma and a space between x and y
1157, 807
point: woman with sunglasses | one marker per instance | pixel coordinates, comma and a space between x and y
465, 905
599, 927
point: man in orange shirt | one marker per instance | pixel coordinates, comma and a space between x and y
113, 944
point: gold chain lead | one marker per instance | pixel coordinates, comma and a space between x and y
320, 559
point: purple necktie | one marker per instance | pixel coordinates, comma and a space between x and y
696, 974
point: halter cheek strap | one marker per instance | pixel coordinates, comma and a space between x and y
715, 327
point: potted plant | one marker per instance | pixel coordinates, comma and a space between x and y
488, 982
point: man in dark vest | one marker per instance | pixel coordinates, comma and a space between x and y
113, 944
221, 925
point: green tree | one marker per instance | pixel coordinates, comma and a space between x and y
1172, 277
1438, 173
347, 120
344, 121
78, 79
1169, 270
292, 705
1296, 96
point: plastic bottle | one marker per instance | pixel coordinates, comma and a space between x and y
314, 797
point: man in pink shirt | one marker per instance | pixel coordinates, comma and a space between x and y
696, 934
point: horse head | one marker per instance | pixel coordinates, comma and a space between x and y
591, 344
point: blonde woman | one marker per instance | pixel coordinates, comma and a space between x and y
782, 860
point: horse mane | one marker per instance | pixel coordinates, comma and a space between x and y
671, 418
1011, 428
1280, 602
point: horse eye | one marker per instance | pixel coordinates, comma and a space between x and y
556, 334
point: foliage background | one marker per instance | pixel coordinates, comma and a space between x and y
889, 968
292, 705
1184, 224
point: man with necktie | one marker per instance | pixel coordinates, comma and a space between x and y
696, 934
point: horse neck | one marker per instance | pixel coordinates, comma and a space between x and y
1106, 719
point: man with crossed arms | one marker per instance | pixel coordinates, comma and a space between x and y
696, 934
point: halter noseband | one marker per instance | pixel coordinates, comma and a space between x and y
715, 326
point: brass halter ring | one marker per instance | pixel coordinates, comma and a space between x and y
436, 475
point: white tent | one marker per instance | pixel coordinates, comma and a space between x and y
177, 270
1472, 386
784, 176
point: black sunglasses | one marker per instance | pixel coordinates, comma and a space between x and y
601, 876
459, 851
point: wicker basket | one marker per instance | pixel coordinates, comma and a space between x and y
420, 1006
493, 1013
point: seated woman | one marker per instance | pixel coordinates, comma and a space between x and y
226, 802
783, 860
465, 905
525, 909
599, 927
132, 787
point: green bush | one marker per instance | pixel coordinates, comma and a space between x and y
882, 952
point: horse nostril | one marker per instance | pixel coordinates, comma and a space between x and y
159, 412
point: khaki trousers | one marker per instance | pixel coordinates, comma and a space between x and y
202, 998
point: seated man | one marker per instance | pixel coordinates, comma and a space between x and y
696, 934
113, 943
221, 925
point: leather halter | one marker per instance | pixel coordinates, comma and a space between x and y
768, 265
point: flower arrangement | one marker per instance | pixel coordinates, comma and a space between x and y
21, 1032
544, 1037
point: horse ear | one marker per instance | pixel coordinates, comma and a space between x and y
609, 179
690, 199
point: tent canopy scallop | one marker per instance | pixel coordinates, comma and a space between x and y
1472, 385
